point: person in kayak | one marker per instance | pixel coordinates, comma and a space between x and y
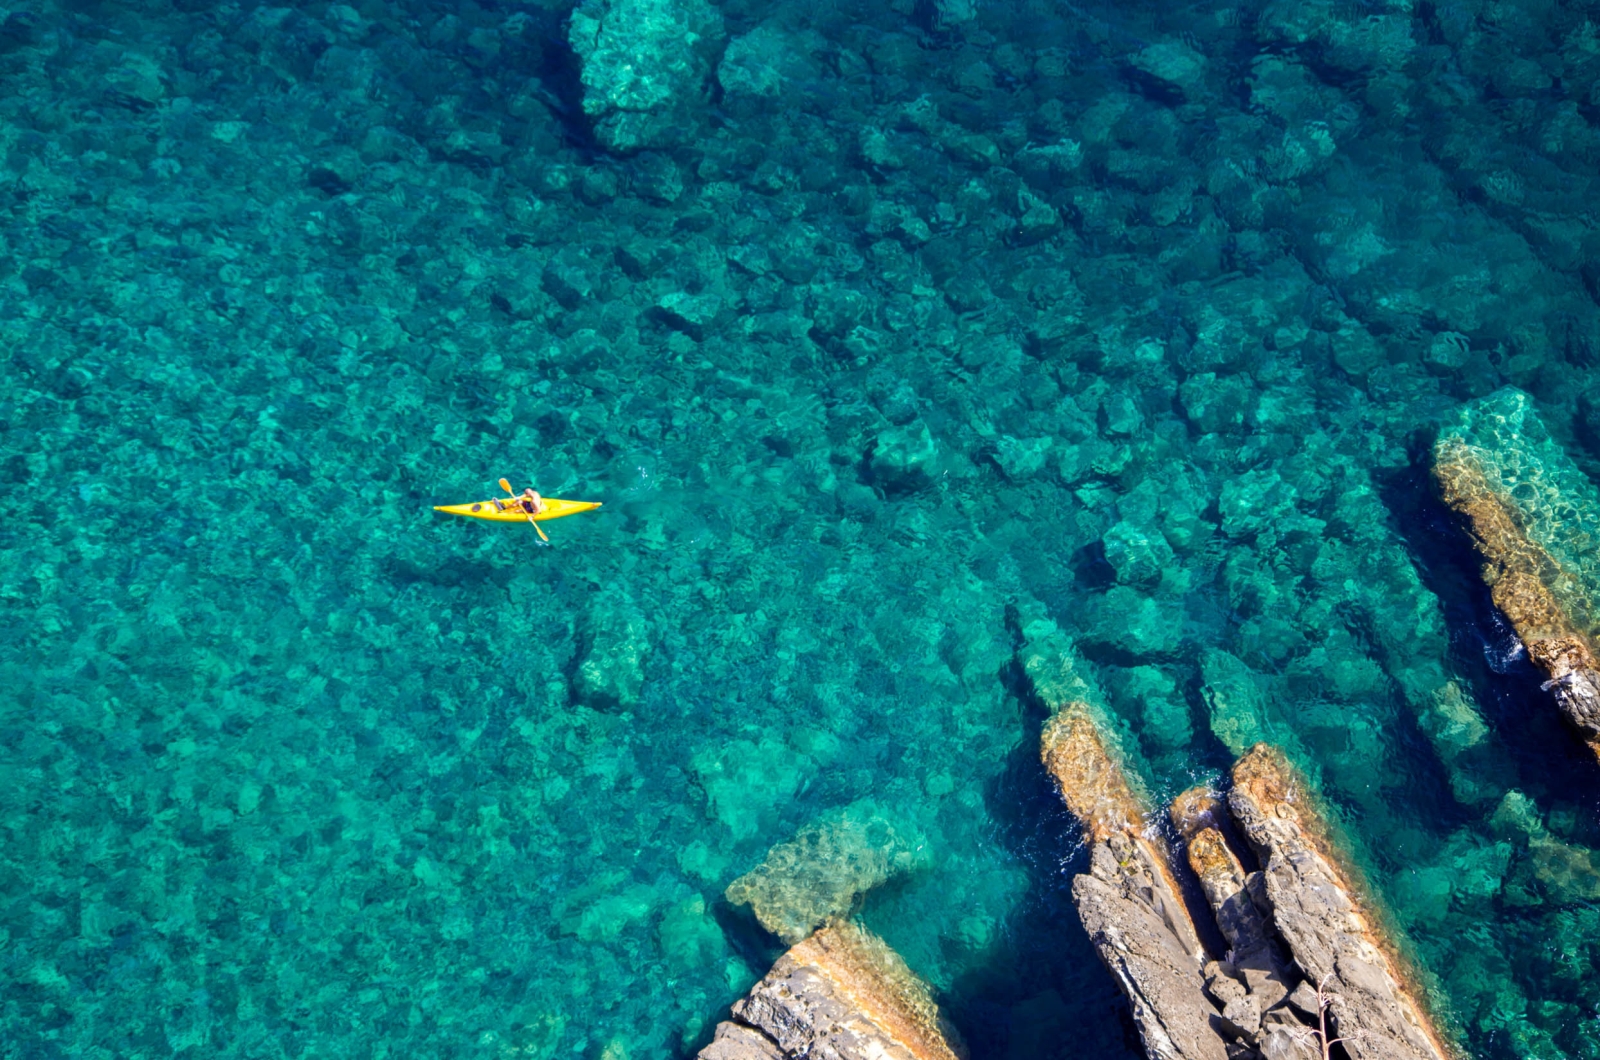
530, 503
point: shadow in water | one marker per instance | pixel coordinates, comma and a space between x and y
1043, 993
1548, 761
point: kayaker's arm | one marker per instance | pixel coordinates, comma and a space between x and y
506, 485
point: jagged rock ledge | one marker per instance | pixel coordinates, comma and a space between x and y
1129, 901
1317, 910
841, 994
1535, 519
1292, 926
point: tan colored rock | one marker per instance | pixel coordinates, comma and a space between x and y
841, 994
1257, 960
1525, 579
1090, 775
823, 871
1318, 910
1129, 901
1530, 512
1199, 816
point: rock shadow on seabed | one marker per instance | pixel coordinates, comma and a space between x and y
1530, 747
1012, 1005
1535, 519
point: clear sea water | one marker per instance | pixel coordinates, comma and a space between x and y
1135, 319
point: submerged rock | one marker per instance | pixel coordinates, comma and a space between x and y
902, 458
821, 873
1549, 869
645, 64
611, 675
1477, 765
1318, 913
1050, 660
1129, 901
1534, 517
842, 994
1234, 700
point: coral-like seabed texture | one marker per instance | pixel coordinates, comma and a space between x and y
900, 340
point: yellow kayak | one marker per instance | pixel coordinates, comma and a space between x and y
554, 508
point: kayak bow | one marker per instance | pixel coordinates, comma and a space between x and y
554, 508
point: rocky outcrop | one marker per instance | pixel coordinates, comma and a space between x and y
1533, 516
645, 68
1300, 947
841, 994
1129, 901
1298, 937
1256, 980
1318, 912
821, 873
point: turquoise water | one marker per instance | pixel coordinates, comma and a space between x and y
1136, 322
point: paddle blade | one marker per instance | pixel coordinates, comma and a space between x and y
506, 485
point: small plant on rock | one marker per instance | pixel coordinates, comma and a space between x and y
1318, 1035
